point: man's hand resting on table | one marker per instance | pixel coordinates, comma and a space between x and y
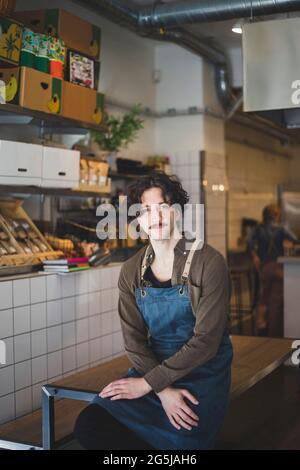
128, 388
178, 412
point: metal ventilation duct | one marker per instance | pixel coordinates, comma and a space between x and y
154, 21
192, 11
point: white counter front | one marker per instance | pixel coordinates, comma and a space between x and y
51, 326
291, 296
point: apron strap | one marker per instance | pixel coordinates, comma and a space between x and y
188, 262
187, 265
144, 262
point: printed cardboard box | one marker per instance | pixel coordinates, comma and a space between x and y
82, 103
76, 33
40, 91
9, 84
10, 40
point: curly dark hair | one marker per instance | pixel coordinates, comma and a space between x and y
172, 190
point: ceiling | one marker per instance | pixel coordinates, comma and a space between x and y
217, 33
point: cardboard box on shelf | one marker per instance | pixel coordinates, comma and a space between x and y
99, 110
82, 70
10, 84
82, 103
10, 40
77, 33
40, 91
32, 19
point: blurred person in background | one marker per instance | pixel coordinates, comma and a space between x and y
266, 244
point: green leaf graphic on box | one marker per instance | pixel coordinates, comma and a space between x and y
54, 105
100, 101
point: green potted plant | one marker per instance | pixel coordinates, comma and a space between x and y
119, 132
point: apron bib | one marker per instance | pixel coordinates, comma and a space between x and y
169, 316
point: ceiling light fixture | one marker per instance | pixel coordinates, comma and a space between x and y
237, 27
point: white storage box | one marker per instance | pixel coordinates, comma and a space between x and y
60, 168
20, 163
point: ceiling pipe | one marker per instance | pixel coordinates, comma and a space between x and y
234, 106
126, 14
124, 11
197, 45
263, 126
191, 11
183, 12
151, 22
171, 112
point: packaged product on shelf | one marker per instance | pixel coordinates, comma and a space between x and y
29, 48
160, 162
10, 40
93, 173
81, 69
102, 173
43, 52
57, 56
41, 60
84, 171
10, 79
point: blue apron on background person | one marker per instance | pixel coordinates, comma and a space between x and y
169, 316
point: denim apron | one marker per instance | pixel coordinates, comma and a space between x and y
169, 316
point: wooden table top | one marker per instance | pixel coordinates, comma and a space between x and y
254, 358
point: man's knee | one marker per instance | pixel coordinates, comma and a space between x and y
85, 422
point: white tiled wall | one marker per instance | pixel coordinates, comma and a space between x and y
215, 201
253, 176
186, 165
52, 326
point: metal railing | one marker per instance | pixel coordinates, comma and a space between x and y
49, 393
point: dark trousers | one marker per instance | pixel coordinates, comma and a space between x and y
272, 297
97, 429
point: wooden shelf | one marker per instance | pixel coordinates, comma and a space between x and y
50, 120
27, 189
129, 176
14, 189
